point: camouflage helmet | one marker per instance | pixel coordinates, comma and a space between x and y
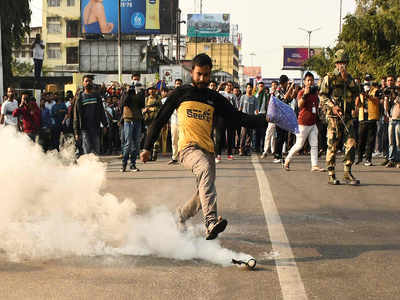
340, 56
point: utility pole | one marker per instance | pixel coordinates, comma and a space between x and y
178, 36
119, 45
201, 6
1, 66
340, 20
309, 32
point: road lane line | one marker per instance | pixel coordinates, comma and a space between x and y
289, 277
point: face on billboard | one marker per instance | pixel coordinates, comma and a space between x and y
137, 16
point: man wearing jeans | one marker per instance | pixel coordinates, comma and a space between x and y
132, 105
88, 113
196, 106
308, 104
392, 110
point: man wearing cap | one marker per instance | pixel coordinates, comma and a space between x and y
338, 93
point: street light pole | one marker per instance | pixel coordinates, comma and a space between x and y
119, 44
340, 20
309, 32
1, 67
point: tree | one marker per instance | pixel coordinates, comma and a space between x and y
21, 68
15, 19
371, 38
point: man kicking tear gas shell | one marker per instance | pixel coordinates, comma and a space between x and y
196, 106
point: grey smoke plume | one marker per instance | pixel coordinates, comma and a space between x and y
50, 209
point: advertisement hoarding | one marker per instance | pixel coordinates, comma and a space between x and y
294, 57
208, 25
140, 17
252, 72
101, 56
169, 73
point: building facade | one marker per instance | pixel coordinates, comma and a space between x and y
24, 53
61, 34
225, 56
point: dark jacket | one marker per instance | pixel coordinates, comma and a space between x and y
135, 102
101, 115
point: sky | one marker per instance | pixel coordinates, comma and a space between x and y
267, 26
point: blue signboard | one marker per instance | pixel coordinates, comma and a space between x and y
141, 17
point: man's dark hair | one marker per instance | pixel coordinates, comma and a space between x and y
213, 81
261, 82
283, 79
178, 79
249, 84
25, 92
202, 60
134, 75
164, 89
87, 76
276, 82
308, 74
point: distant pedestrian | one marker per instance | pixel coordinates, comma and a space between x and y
29, 113
7, 109
88, 114
38, 55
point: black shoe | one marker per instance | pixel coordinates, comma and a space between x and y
358, 161
385, 162
173, 162
154, 156
215, 228
123, 169
134, 169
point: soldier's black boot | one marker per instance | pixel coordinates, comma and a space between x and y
349, 178
331, 177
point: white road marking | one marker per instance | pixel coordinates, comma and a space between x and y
289, 277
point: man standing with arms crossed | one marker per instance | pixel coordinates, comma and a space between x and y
338, 93
196, 106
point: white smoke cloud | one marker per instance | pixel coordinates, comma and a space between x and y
53, 209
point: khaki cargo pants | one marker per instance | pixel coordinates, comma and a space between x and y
202, 164
335, 132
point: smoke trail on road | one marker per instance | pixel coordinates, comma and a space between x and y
50, 209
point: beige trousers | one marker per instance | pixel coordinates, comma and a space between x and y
174, 141
202, 164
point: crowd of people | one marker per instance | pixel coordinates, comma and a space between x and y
114, 120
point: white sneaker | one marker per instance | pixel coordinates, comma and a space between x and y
264, 155
376, 154
277, 161
218, 159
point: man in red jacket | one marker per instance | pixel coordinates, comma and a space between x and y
30, 114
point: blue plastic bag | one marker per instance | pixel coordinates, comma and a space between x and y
282, 115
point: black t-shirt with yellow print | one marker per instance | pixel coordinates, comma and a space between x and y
196, 109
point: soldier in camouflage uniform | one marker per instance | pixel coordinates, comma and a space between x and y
338, 93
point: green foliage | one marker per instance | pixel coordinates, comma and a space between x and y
21, 68
371, 38
15, 19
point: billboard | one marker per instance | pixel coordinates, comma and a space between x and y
294, 57
140, 17
101, 56
208, 25
252, 71
169, 73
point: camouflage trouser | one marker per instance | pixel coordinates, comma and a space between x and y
336, 130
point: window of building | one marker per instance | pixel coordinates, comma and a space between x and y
53, 3
54, 50
72, 55
53, 24
22, 53
70, 2
73, 29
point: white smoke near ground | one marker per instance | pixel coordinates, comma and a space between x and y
52, 208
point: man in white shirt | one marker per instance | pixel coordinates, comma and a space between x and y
7, 109
38, 55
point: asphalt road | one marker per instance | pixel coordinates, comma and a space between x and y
345, 240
